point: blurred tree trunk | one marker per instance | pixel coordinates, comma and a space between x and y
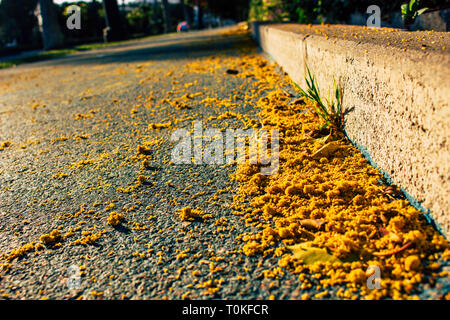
200, 17
114, 27
51, 31
166, 14
187, 16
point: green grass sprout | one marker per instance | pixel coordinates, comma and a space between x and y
330, 110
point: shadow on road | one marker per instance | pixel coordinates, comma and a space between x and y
159, 49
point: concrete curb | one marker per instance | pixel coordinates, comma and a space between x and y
397, 100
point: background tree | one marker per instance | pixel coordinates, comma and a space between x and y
186, 13
113, 21
51, 31
166, 14
330, 11
229, 9
18, 23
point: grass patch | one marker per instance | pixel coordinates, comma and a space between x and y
46, 55
6, 64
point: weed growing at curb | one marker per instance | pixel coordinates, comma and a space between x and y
329, 110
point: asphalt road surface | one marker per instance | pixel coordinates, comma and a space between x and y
74, 125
